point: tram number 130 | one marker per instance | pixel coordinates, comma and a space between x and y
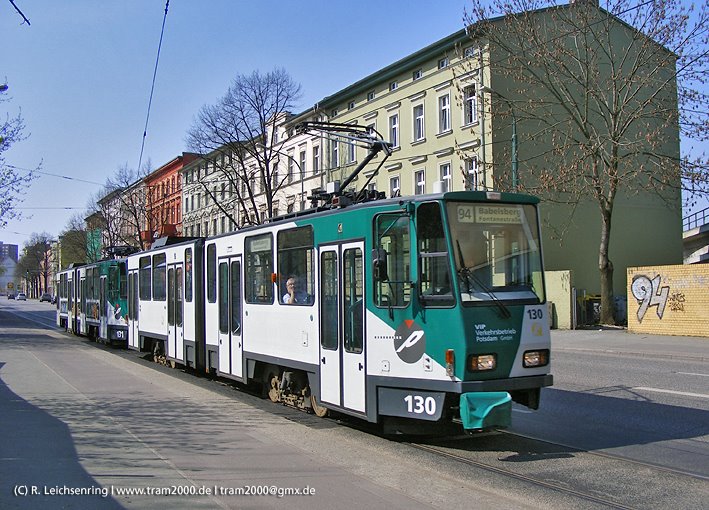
416, 404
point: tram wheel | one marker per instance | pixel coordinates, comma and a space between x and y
320, 410
273, 392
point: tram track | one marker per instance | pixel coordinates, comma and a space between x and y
544, 484
638, 463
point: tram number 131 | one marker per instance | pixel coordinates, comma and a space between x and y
416, 404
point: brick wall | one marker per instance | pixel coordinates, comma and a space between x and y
669, 300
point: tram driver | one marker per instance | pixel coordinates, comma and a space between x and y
294, 292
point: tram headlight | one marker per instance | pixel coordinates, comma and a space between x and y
538, 358
482, 362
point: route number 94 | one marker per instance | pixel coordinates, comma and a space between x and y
416, 404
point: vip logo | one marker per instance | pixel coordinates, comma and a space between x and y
409, 342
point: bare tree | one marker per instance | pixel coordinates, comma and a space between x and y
239, 136
121, 205
13, 181
35, 263
602, 96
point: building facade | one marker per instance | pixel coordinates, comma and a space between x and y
163, 199
450, 119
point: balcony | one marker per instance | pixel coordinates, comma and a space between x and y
696, 237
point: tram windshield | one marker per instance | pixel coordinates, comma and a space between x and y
497, 253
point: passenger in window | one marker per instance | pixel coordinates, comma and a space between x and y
294, 292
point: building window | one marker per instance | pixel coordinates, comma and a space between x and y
350, 105
444, 113
419, 130
302, 165
470, 105
419, 182
474, 180
335, 154
393, 86
469, 52
334, 113
370, 95
445, 176
316, 159
394, 130
351, 152
443, 63
394, 186
291, 170
418, 73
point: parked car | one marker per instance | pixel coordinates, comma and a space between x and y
21, 296
45, 297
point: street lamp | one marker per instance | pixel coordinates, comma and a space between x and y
514, 132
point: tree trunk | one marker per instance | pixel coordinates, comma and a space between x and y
605, 266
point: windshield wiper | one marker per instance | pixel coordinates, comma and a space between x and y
467, 274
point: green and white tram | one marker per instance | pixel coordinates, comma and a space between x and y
420, 309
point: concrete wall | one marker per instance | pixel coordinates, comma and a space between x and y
669, 300
559, 285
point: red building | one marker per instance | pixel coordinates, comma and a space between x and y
163, 199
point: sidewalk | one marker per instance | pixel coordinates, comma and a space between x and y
620, 341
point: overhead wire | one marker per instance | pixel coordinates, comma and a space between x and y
152, 87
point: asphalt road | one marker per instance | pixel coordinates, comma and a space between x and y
641, 397
625, 426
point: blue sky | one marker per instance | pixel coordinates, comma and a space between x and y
81, 73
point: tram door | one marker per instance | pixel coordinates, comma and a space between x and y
175, 311
230, 344
102, 311
133, 309
342, 350
71, 303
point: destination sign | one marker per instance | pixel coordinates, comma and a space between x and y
489, 214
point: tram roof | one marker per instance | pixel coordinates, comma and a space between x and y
491, 197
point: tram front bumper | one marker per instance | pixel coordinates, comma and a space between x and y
485, 409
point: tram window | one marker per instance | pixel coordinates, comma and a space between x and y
295, 258
434, 270
188, 275
178, 296
212, 273
392, 235
171, 297
353, 300
146, 278
122, 280
259, 268
223, 297
159, 277
328, 300
113, 284
235, 297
